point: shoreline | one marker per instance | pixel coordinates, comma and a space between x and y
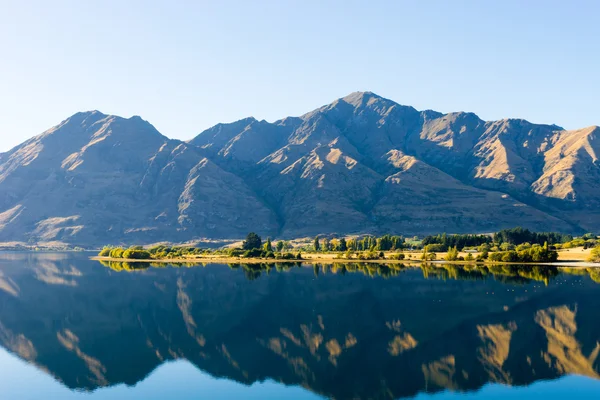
333, 260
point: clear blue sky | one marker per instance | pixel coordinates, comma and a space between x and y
186, 65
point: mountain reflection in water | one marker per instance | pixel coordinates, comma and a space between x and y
342, 331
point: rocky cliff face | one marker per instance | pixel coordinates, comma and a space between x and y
363, 164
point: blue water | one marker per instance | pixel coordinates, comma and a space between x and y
183, 381
71, 328
175, 380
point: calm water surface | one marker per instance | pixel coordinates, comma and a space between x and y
74, 328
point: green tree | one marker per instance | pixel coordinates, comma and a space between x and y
117, 253
595, 254
510, 256
136, 254
280, 246
253, 241
483, 250
507, 246
268, 245
317, 245
334, 245
343, 244
105, 252
452, 254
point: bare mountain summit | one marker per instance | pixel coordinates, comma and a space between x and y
362, 164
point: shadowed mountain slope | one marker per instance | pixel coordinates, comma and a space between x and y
362, 164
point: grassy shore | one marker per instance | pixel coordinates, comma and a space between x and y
573, 257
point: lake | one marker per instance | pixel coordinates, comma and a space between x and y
72, 328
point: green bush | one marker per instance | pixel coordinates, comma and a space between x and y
510, 256
117, 253
236, 252
436, 248
495, 256
286, 256
507, 246
368, 255
595, 254
452, 254
254, 253
535, 253
105, 252
136, 254
523, 246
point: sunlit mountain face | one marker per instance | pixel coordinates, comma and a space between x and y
347, 331
363, 164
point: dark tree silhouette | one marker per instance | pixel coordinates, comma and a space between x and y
253, 241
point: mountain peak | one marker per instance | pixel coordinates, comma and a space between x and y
81, 116
222, 132
362, 98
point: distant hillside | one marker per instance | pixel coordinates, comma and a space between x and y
362, 164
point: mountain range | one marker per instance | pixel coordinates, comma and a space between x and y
362, 164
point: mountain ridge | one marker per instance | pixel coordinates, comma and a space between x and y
361, 164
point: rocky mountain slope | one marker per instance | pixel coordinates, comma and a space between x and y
362, 164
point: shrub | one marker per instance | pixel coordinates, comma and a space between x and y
369, 255
117, 253
495, 256
286, 256
452, 254
510, 256
136, 254
523, 246
432, 248
105, 252
595, 254
253, 253
535, 253
236, 252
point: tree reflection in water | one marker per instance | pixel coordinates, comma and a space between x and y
351, 330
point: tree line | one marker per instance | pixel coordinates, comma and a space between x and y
515, 236
445, 241
508, 245
519, 235
367, 243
